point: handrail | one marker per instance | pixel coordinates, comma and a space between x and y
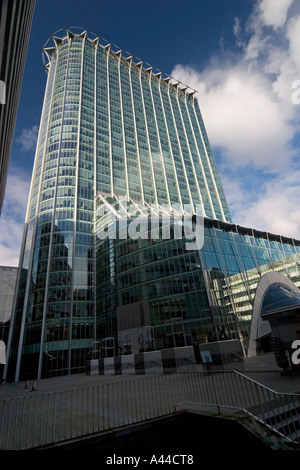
44, 418
276, 409
264, 386
238, 355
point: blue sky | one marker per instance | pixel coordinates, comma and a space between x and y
243, 57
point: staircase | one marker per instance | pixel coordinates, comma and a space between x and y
284, 420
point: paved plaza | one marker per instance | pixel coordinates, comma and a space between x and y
62, 409
262, 368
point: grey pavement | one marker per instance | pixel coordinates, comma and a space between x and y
262, 369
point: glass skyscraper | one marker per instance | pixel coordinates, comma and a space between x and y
109, 126
116, 132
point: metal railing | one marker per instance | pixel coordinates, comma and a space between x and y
41, 419
280, 412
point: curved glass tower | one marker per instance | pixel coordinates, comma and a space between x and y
113, 127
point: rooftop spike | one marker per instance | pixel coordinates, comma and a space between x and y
49, 50
57, 40
70, 34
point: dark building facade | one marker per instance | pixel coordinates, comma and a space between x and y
15, 25
8, 276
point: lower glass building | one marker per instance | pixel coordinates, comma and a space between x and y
157, 293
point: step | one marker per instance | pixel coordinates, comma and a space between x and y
282, 412
288, 425
294, 437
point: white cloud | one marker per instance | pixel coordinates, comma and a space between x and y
237, 31
266, 13
293, 29
276, 210
28, 138
13, 216
252, 124
241, 115
274, 12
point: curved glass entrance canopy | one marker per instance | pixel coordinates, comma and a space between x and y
279, 297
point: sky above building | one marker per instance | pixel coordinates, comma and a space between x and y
242, 56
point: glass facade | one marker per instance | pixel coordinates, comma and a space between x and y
8, 277
108, 126
179, 296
